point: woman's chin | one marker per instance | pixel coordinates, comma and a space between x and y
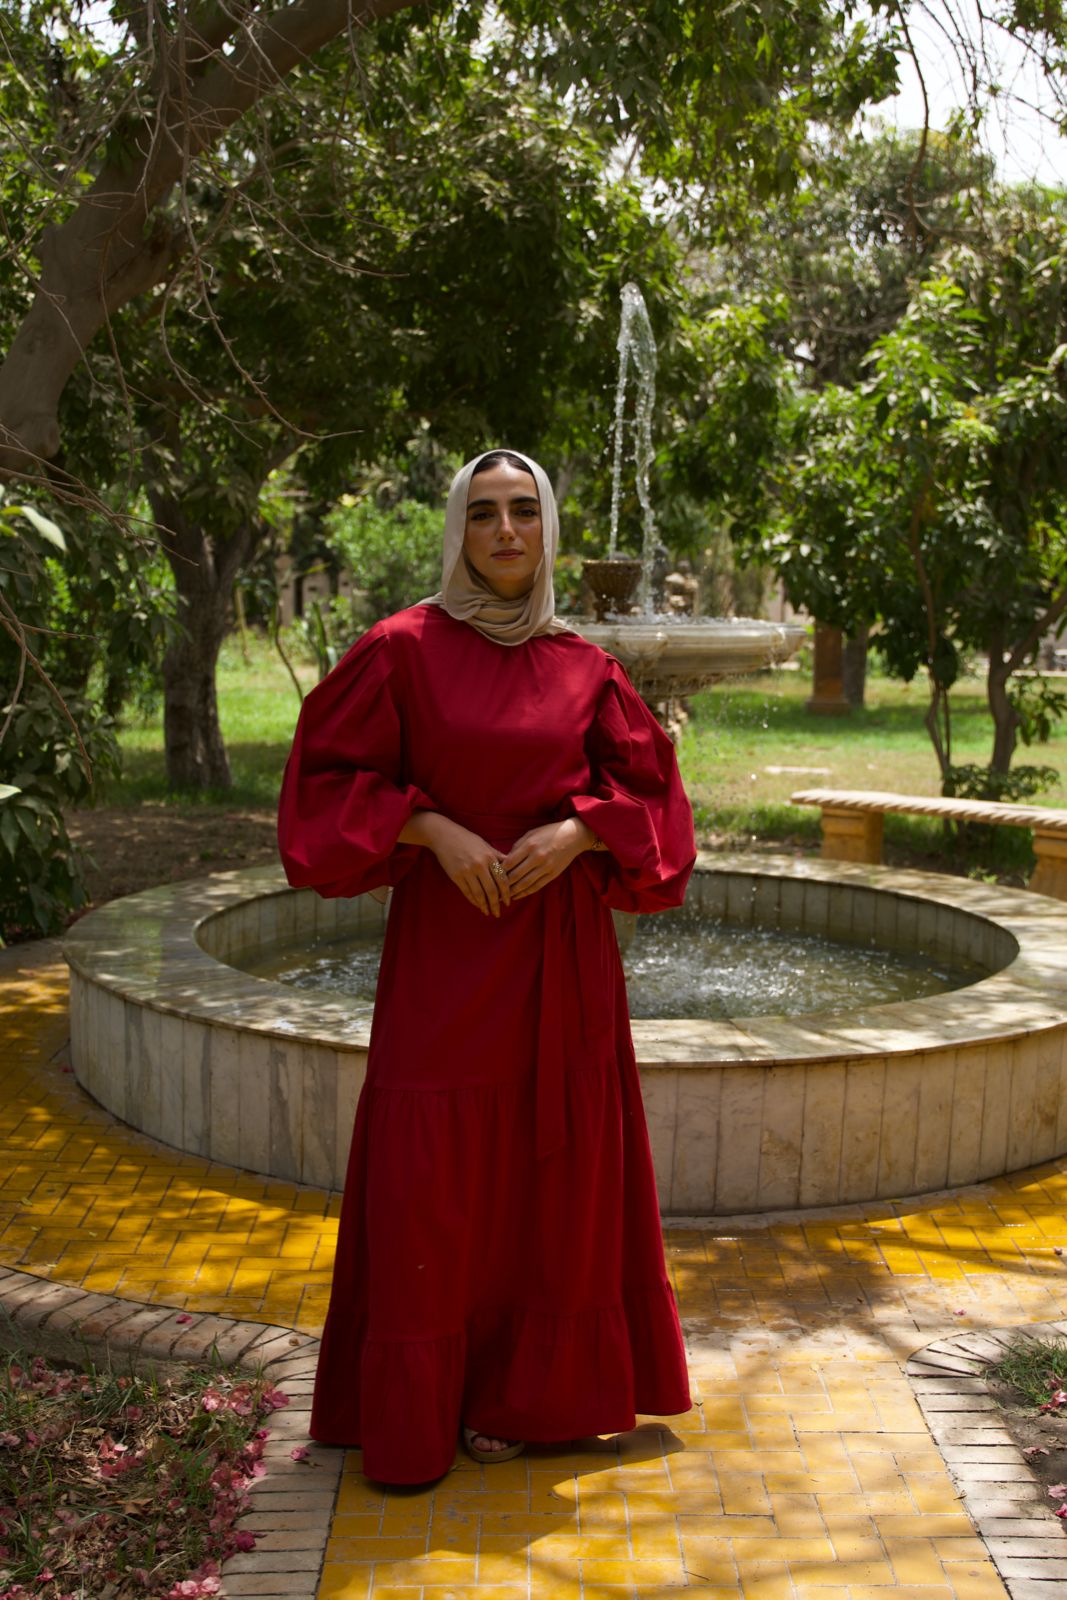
510, 591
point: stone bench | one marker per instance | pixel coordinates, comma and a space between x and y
852, 826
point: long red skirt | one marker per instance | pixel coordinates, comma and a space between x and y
500, 1257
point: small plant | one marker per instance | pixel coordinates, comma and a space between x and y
393, 553
975, 782
124, 1488
1037, 1369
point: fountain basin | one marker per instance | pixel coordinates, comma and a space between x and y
752, 1114
665, 659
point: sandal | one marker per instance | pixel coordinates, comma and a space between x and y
508, 1453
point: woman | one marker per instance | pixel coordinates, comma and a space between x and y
499, 1261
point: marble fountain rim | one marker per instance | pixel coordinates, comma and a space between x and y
734, 635
147, 949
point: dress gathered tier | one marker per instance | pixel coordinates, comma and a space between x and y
500, 1256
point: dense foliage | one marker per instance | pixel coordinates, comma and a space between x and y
308, 255
931, 496
80, 618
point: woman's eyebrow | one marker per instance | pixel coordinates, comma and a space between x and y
514, 500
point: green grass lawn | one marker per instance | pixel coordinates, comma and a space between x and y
258, 708
739, 734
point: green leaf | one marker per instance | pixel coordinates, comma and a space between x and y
44, 525
8, 789
9, 832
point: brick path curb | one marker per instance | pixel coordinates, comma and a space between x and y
292, 1506
1024, 1537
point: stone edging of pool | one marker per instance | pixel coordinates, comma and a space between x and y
1025, 1539
754, 1114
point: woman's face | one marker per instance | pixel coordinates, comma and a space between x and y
502, 537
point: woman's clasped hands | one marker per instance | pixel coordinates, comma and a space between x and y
485, 878
543, 853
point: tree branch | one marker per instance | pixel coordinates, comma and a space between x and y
1030, 640
109, 250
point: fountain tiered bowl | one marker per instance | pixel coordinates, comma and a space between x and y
670, 657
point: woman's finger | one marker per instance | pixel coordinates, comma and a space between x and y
489, 888
532, 884
515, 856
476, 895
499, 882
521, 876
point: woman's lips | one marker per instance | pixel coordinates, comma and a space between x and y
507, 555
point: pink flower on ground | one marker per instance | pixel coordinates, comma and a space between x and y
241, 1401
183, 1318
1061, 1511
211, 1400
245, 1540
273, 1400
1032, 1451
300, 1453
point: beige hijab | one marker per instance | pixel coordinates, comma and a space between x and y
464, 593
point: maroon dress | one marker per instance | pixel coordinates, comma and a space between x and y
500, 1258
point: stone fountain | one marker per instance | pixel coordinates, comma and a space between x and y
667, 657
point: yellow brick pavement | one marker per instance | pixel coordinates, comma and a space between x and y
803, 1472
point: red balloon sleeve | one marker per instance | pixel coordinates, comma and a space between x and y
636, 804
344, 798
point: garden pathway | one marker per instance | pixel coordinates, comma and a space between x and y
805, 1470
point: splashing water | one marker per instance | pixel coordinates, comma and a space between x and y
636, 345
681, 964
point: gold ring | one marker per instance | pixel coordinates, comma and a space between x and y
498, 869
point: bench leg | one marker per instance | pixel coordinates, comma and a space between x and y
1050, 874
851, 835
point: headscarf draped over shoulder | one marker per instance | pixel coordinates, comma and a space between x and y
464, 593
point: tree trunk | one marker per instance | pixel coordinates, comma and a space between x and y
854, 667
1005, 716
204, 569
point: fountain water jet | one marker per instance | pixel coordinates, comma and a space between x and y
636, 344
667, 658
